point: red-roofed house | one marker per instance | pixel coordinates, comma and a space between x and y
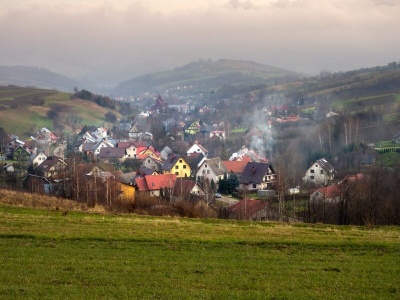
235, 166
156, 185
248, 209
186, 189
326, 194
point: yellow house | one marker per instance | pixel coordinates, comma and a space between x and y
127, 192
176, 164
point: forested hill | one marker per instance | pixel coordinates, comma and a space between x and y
206, 74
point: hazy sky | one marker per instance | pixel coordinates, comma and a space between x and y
115, 40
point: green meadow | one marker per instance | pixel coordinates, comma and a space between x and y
55, 254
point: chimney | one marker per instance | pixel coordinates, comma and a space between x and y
253, 170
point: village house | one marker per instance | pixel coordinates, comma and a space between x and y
257, 176
130, 148
176, 164
156, 185
21, 154
109, 153
329, 194
248, 209
212, 169
38, 159
197, 148
52, 166
188, 190
320, 173
235, 166
151, 163
37, 184
194, 162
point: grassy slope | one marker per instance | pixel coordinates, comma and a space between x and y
47, 254
19, 120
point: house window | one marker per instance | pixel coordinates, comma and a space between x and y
208, 171
204, 171
312, 171
254, 186
176, 173
312, 177
205, 166
184, 166
316, 166
148, 160
180, 160
322, 171
176, 167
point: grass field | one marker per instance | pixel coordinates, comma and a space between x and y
20, 117
50, 254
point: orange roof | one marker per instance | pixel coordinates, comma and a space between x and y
155, 182
331, 191
141, 184
235, 166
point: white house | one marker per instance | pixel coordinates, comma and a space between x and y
197, 148
212, 169
38, 159
320, 172
103, 143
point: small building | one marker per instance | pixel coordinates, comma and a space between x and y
196, 149
257, 176
320, 173
248, 209
212, 169
176, 164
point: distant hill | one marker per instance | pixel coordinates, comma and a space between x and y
205, 74
36, 77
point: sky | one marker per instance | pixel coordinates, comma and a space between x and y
115, 40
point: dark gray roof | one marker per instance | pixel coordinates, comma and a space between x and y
110, 152
327, 167
217, 166
194, 161
254, 172
170, 162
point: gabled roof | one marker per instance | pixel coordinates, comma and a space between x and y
162, 181
330, 192
51, 161
235, 166
194, 160
141, 184
165, 152
196, 143
142, 153
255, 172
216, 166
170, 162
327, 167
247, 207
183, 187
112, 152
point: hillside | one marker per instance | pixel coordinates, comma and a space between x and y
36, 77
204, 75
23, 111
56, 253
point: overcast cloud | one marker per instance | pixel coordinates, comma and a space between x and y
111, 41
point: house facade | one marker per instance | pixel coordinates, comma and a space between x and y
211, 169
176, 164
321, 172
257, 176
196, 149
